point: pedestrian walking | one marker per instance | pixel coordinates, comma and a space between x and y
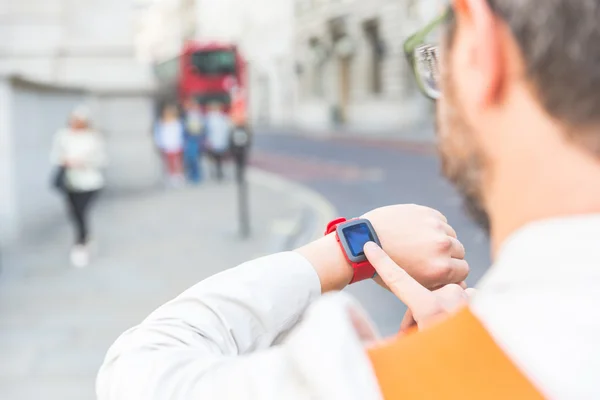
193, 121
78, 152
169, 137
218, 136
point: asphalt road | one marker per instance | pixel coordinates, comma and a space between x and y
359, 175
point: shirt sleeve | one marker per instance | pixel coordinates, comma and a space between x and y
214, 338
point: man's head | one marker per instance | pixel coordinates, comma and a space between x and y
215, 107
80, 118
191, 104
519, 109
170, 112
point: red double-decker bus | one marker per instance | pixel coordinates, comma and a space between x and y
208, 72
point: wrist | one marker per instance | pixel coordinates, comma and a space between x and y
326, 257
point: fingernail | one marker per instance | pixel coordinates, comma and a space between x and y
371, 246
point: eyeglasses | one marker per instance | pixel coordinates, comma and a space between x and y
422, 54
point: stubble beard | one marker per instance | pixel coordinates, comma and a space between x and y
462, 161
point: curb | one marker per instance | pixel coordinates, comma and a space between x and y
312, 211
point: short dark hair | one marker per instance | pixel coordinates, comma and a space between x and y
559, 41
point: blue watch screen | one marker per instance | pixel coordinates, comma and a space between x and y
357, 236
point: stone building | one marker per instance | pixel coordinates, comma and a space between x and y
350, 66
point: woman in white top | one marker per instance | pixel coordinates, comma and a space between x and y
218, 136
80, 150
169, 136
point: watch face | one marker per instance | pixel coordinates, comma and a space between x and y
353, 236
357, 236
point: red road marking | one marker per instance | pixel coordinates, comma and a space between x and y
390, 144
374, 142
303, 169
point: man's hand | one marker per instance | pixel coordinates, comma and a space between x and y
424, 306
418, 238
421, 241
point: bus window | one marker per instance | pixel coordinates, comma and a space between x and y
219, 62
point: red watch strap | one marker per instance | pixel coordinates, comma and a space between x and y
362, 271
333, 224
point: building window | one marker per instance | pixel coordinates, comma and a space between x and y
318, 59
376, 50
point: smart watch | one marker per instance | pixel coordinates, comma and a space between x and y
352, 235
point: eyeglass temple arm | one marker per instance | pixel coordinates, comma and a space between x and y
413, 41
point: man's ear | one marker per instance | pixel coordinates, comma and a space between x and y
484, 59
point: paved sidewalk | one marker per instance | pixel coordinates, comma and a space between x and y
57, 322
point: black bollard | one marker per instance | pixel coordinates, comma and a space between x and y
240, 147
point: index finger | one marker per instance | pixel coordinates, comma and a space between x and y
416, 297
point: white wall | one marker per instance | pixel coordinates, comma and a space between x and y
89, 43
126, 122
31, 115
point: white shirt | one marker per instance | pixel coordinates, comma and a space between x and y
87, 150
237, 334
218, 131
541, 302
194, 123
169, 136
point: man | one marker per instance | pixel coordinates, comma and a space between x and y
518, 101
189, 348
194, 138
218, 135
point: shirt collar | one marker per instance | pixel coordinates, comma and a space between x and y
553, 250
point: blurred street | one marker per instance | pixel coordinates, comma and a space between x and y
149, 145
359, 174
57, 322
141, 102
